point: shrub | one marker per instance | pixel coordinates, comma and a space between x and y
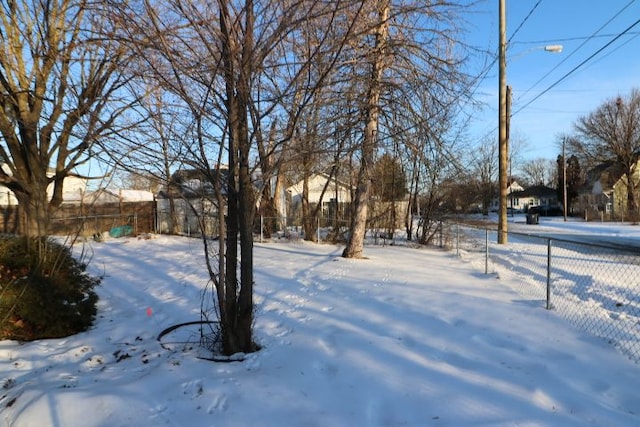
44, 290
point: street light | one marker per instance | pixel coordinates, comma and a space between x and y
503, 121
555, 48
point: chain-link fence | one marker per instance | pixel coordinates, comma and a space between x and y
595, 287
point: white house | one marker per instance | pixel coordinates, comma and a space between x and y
333, 189
512, 201
538, 195
336, 193
73, 190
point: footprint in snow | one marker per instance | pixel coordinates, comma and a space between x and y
219, 403
328, 342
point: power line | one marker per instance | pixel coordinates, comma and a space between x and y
574, 69
586, 40
495, 55
629, 40
570, 39
526, 18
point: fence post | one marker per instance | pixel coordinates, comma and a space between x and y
441, 231
261, 227
318, 229
486, 251
457, 239
548, 274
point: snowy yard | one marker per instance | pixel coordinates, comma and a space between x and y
594, 288
407, 337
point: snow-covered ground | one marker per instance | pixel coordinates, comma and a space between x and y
407, 337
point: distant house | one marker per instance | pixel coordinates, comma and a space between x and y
334, 195
109, 195
513, 188
604, 193
192, 195
538, 195
520, 199
73, 188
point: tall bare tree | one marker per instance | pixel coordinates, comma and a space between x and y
612, 132
538, 171
61, 87
408, 48
371, 110
484, 165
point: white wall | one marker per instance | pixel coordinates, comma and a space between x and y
73, 189
316, 184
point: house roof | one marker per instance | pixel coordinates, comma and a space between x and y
605, 174
111, 195
193, 183
185, 175
536, 191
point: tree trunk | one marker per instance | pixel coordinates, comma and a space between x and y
413, 200
172, 216
632, 200
278, 202
238, 304
355, 244
36, 213
268, 211
308, 216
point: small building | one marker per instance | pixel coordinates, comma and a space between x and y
189, 203
334, 195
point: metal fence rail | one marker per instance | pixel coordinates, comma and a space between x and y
594, 287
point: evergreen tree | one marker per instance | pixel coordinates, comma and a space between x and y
390, 181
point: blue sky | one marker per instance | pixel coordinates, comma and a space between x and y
583, 27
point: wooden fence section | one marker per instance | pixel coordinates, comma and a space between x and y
90, 219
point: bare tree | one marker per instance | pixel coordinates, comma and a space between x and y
539, 171
159, 146
409, 49
612, 132
61, 86
371, 110
245, 89
484, 167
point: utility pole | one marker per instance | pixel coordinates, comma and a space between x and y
503, 147
509, 155
564, 180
